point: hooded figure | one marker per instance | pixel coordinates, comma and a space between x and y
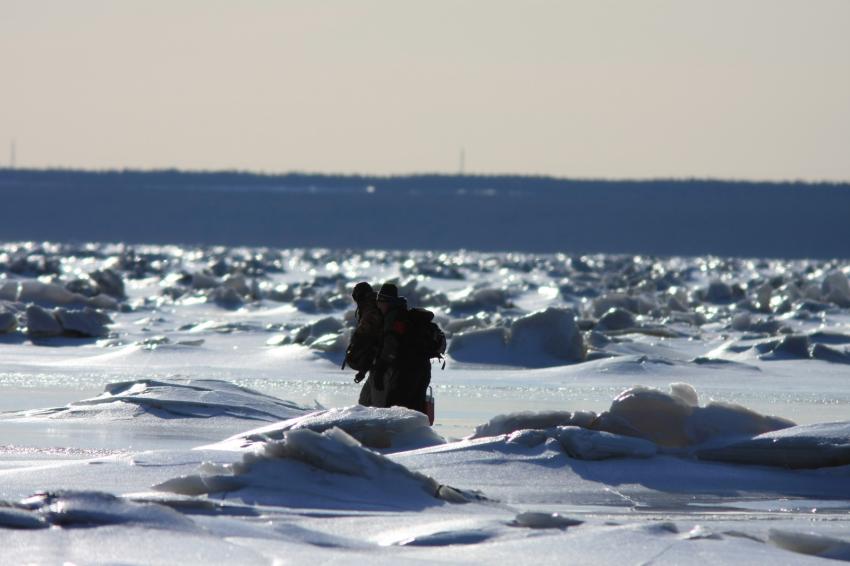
401, 371
365, 341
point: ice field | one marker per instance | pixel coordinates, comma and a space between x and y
177, 404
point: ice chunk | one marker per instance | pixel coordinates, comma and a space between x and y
479, 346
393, 428
41, 323
51, 295
109, 282
836, 289
718, 292
585, 444
226, 297
806, 446
823, 352
616, 319
8, 321
86, 322
543, 338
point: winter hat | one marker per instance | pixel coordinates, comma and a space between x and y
361, 291
388, 293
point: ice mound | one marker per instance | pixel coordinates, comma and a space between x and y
675, 419
671, 420
808, 446
174, 399
391, 429
305, 468
543, 338
86, 322
61, 321
88, 509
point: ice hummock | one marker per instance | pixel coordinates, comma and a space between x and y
676, 420
671, 420
311, 469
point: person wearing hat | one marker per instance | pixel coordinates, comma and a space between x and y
365, 341
402, 371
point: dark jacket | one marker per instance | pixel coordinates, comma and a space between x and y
365, 342
404, 372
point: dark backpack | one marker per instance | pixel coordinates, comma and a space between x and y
424, 335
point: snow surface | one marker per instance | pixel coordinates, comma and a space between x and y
168, 404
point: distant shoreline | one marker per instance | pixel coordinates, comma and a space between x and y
429, 212
179, 177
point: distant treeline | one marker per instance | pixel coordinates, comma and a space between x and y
430, 212
241, 180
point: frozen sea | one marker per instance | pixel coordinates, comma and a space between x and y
179, 404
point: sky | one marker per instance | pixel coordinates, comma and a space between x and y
729, 89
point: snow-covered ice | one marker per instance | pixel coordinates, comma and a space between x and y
185, 405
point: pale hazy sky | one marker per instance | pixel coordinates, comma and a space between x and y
719, 88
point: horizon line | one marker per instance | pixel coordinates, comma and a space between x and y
409, 175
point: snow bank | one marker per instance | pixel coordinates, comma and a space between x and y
318, 470
170, 399
808, 446
544, 338
390, 429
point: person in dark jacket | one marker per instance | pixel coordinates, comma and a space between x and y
402, 370
365, 342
